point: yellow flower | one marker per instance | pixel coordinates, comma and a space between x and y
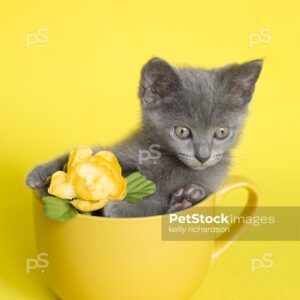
92, 181
80, 155
60, 186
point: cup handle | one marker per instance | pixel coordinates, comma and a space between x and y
254, 198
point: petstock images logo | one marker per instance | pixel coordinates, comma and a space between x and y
210, 223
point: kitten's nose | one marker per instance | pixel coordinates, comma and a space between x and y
204, 153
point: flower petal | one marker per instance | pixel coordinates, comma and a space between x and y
83, 205
110, 158
60, 187
88, 181
81, 154
121, 192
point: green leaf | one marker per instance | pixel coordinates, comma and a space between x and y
138, 187
65, 168
132, 177
58, 209
87, 213
48, 180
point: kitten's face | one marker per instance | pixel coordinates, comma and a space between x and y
196, 113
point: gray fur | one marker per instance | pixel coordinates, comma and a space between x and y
199, 99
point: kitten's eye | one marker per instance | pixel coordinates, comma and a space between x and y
182, 132
221, 133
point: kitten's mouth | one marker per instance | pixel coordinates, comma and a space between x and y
194, 163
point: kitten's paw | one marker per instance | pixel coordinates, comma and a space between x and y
115, 209
186, 197
37, 177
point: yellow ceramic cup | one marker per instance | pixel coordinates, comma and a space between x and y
96, 258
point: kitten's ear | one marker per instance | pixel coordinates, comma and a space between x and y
241, 81
158, 80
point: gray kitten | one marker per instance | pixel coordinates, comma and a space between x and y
191, 120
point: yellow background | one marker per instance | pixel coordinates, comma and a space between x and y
80, 88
